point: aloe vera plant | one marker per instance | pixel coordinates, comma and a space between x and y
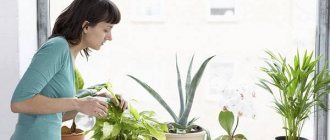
299, 86
181, 123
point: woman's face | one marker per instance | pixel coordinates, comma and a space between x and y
94, 37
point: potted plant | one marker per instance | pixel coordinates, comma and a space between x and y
123, 125
74, 133
181, 128
226, 121
236, 101
117, 125
132, 125
299, 87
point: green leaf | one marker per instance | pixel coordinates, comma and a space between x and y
182, 103
240, 137
108, 87
79, 81
192, 121
86, 92
178, 126
226, 120
116, 130
98, 87
163, 127
147, 113
224, 137
158, 135
133, 111
262, 83
188, 80
193, 86
156, 96
107, 129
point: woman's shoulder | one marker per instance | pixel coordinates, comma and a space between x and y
56, 44
58, 41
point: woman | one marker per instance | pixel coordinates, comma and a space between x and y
46, 90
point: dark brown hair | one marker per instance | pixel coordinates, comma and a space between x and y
69, 23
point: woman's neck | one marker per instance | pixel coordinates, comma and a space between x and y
75, 49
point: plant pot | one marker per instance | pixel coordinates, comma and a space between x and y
78, 135
188, 136
283, 138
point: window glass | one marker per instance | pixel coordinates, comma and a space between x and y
147, 50
222, 10
147, 10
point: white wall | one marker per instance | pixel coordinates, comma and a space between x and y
9, 69
18, 43
27, 35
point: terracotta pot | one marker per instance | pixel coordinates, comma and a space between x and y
283, 138
78, 135
188, 136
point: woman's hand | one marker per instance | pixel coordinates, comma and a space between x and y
93, 107
123, 104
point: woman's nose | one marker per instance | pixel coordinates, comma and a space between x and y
108, 36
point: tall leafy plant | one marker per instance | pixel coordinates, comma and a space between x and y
299, 86
187, 94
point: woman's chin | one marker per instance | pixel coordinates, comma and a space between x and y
96, 48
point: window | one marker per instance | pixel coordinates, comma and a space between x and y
222, 10
148, 52
147, 10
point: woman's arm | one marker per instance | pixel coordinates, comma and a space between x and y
40, 104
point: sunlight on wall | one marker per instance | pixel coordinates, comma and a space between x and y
146, 46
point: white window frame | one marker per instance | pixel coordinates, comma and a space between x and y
138, 5
222, 18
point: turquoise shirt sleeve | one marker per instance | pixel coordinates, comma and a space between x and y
44, 65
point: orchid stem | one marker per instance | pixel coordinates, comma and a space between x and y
235, 126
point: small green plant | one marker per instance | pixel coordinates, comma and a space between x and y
181, 123
78, 80
119, 125
128, 126
226, 121
299, 86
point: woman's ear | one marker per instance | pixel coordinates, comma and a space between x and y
84, 26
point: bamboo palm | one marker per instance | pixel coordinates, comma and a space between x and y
299, 86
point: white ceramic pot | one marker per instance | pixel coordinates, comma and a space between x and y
188, 136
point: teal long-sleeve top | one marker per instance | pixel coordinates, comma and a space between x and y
50, 74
